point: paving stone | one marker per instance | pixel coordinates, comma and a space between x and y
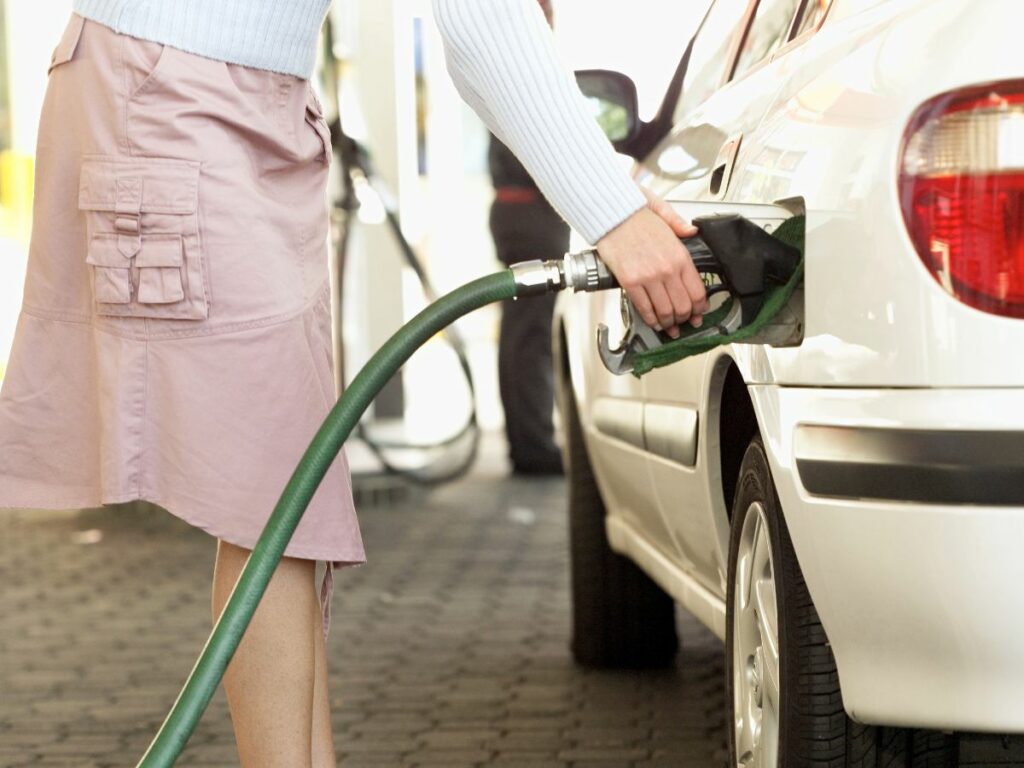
450, 758
364, 746
373, 760
527, 760
449, 648
607, 756
457, 739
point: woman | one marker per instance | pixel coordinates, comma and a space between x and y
174, 343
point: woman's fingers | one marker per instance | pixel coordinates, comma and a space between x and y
695, 289
655, 270
688, 296
667, 213
684, 302
666, 308
638, 295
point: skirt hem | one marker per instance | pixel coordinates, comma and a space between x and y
344, 560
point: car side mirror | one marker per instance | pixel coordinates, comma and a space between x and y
613, 101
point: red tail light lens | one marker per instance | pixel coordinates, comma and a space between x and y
962, 194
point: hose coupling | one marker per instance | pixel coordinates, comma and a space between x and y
537, 277
583, 271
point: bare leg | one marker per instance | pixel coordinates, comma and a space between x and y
324, 755
270, 680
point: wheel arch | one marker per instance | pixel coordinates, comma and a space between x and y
732, 422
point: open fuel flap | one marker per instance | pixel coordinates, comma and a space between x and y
751, 259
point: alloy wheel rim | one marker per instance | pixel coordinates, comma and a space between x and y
755, 651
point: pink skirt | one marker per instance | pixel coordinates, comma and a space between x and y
174, 343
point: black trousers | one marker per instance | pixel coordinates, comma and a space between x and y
524, 231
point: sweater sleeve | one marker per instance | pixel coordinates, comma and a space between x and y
501, 56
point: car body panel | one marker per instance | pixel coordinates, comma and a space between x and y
831, 134
699, 530
922, 603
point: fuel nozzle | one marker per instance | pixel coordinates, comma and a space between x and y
583, 271
733, 255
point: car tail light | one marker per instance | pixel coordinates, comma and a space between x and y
962, 194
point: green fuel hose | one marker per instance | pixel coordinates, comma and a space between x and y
227, 633
582, 271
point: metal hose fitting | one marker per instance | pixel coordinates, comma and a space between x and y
583, 271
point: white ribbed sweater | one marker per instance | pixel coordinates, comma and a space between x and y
500, 54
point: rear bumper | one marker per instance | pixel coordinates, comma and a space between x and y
932, 466
906, 510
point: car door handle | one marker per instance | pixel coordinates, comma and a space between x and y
724, 163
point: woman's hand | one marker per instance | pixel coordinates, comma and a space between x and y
646, 256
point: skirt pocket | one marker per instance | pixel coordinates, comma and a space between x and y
144, 247
315, 118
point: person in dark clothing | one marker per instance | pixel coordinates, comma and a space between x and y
524, 226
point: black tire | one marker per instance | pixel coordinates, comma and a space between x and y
621, 618
814, 730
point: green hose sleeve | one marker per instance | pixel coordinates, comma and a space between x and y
227, 633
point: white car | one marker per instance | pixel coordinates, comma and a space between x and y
847, 514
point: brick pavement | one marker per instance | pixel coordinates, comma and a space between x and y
448, 649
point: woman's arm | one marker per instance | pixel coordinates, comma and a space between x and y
502, 58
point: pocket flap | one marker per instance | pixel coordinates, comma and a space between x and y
112, 286
103, 252
159, 251
149, 185
65, 49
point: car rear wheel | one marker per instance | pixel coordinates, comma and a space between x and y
781, 680
621, 618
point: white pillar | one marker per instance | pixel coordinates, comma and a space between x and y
379, 110
32, 29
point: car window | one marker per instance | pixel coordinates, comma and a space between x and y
710, 55
813, 13
768, 32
